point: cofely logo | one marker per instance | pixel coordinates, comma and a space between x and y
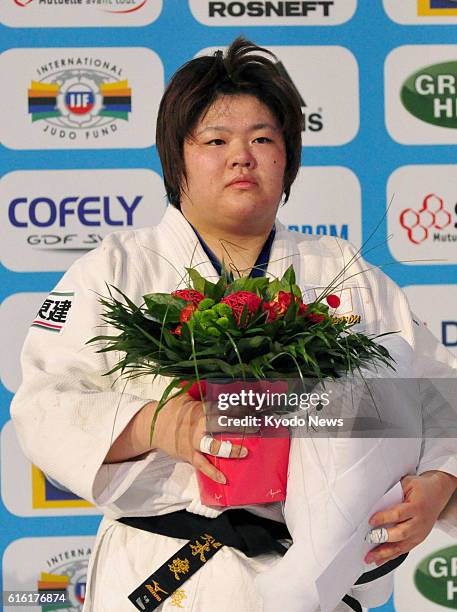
75, 13
436, 577
81, 98
276, 12
422, 223
430, 94
52, 217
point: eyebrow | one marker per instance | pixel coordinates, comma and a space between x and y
252, 128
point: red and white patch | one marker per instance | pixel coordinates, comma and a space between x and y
54, 311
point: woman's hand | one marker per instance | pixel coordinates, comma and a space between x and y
179, 428
425, 497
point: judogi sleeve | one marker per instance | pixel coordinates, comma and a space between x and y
66, 413
438, 368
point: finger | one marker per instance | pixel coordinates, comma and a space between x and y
200, 462
398, 533
236, 451
385, 552
395, 514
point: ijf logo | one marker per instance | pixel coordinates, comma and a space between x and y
88, 99
79, 98
66, 574
423, 223
435, 8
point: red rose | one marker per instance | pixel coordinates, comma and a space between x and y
186, 312
282, 301
302, 309
177, 330
189, 295
273, 310
315, 317
238, 300
333, 300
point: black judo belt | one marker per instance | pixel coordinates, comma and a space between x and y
251, 534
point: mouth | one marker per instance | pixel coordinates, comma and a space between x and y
243, 182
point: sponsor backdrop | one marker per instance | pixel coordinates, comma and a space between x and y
82, 80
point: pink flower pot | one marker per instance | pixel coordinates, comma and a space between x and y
261, 476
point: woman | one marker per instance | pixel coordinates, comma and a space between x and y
229, 139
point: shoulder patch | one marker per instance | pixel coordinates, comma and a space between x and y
54, 311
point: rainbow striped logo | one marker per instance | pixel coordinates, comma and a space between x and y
79, 102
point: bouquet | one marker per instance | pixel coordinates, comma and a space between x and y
245, 329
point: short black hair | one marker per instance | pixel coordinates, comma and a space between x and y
196, 86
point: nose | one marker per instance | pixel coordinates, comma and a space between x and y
242, 157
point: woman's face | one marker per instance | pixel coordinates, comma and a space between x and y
235, 161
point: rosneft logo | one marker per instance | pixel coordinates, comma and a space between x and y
430, 94
431, 216
436, 577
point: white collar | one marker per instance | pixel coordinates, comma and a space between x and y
182, 243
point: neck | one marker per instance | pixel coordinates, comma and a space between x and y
238, 252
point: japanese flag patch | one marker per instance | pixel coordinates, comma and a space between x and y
54, 311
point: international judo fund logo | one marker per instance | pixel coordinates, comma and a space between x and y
66, 574
80, 98
431, 221
436, 577
430, 94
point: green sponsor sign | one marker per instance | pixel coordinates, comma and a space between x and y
430, 94
436, 577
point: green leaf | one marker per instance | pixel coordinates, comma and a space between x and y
197, 279
164, 308
254, 285
289, 276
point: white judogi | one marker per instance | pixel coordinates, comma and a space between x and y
67, 414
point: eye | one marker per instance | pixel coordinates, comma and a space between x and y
262, 139
216, 141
